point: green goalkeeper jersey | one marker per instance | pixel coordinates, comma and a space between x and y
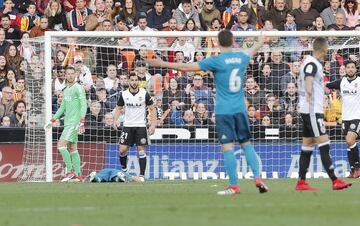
73, 105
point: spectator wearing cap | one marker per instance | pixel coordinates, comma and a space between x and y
256, 13
149, 42
3, 43
78, 15
339, 24
12, 32
30, 19
184, 12
158, 17
330, 12
94, 22
210, 12
39, 31
277, 14
305, 15
83, 72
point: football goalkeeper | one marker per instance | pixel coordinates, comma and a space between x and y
74, 107
111, 175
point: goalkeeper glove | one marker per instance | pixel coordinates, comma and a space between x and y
81, 127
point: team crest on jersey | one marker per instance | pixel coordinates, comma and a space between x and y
140, 98
352, 126
356, 85
143, 141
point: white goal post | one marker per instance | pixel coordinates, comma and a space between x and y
49, 36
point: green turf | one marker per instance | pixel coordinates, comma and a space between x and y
176, 203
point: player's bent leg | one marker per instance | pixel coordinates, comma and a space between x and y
353, 154
230, 164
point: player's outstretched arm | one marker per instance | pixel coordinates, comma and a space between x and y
158, 62
257, 46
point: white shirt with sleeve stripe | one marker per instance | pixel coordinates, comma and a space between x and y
312, 67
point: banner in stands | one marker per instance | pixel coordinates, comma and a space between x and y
186, 161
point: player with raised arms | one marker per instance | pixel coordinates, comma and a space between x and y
231, 117
349, 87
73, 107
311, 99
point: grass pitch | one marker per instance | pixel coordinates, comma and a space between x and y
176, 203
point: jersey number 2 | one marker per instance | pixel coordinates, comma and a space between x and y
234, 81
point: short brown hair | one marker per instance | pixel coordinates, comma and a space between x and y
225, 38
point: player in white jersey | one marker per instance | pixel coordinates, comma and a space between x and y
311, 96
135, 102
349, 87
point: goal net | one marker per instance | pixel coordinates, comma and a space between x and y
185, 144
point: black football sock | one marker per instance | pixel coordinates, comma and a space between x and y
326, 160
123, 160
304, 162
142, 163
351, 159
355, 155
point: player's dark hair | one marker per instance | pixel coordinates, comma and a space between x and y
225, 38
132, 74
320, 43
349, 62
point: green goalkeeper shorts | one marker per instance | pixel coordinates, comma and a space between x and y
70, 134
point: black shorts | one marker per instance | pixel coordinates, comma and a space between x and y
313, 125
134, 135
352, 125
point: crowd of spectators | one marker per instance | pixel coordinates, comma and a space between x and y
182, 98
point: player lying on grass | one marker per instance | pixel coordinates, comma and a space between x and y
111, 175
